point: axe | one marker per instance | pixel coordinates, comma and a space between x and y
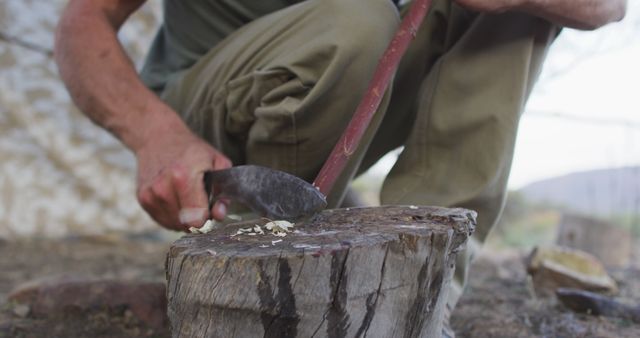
278, 195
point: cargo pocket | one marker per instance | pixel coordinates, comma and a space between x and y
262, 109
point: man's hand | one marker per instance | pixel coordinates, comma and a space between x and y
170, 180
579, 14
490, 6
105, 86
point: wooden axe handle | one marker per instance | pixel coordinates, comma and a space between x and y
387, 66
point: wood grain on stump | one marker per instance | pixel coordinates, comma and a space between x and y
375, 272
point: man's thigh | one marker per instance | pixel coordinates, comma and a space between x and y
280, 90
464, 116
191, 28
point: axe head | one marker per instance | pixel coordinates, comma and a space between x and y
271, 193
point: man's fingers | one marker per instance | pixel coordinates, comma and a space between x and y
192, 196
158, 209
222, 162
164, 191
192, 200
219, 210
193, 215
145, 198
161, 200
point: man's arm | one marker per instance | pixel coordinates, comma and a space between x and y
105, 86
579, 14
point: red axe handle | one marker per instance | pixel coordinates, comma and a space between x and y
387, 66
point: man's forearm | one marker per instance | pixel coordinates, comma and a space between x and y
171, 160
579, 14
101, 78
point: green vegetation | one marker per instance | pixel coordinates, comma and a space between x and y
525, 224
628, 221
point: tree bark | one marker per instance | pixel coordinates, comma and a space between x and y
375, 272
611, 243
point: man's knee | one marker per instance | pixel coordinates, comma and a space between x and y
363, 27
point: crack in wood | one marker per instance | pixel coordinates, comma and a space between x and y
273, 316
177, 286
279, 314
209, 324
324, 318
333, 293
371, 306
338, 320
227, 262
299, 271
225, 268
276, 272
265, 294
215, 286
429, 286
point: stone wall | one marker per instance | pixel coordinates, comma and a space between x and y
59, 173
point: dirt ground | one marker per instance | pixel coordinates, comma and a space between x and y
499, 302
139, 259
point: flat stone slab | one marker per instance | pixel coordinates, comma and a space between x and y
57, 295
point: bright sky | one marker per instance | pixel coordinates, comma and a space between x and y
591, 78
585, 111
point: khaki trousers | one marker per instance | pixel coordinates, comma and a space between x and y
275, 83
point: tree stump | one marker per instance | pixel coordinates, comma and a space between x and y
376, 272
611, 243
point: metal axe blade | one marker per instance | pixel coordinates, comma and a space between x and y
271, 193
279, 195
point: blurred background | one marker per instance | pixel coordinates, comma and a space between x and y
61, 174
67, 188
578, 149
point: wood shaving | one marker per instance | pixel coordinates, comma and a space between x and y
242, 231
277, 228
235, 217
206, 227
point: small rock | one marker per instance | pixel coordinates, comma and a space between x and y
555, 267
21, 310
